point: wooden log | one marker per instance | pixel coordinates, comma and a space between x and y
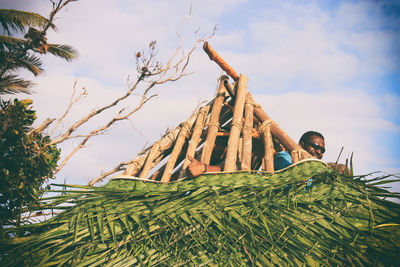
277, 132
149, 160
223, 119
213, 125
213, 55
196, 137
158, 173
268, 149
254, 133
247, 134
156, 176
230, 88
157, 160
233, 141
185, 130
240, 150
165, 142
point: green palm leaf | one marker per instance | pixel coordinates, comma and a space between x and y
10, 42
18, 53
63, 51
29, 62
230, 219
17, 20
11, 84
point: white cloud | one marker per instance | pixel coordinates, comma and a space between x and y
392, 104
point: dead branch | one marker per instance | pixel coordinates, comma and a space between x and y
119, 167
42, 126
104, 128
71, 103
92, 114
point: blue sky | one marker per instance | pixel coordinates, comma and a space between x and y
330, 66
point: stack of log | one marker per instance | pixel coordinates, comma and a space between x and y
253, 139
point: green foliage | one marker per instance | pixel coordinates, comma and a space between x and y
23, 53
26, 161
16, 20
227, 219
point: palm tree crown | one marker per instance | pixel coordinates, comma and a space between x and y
23, 53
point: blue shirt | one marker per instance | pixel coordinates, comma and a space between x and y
282, 160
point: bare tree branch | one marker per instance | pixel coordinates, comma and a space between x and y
118, 168
71, 103
92, 114
104, 128
42, 126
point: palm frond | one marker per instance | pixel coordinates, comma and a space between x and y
63, 51
17, 20
239, 218
10, 42
29, 62
11, 84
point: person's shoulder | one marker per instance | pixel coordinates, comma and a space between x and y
283, 154
282, 160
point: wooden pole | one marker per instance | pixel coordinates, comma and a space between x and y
213, 55
196, 137
185, 130
213, 125
165, 142
156, 176
268, 149
233, 141
230, 89
149, 160
240, 151
247, 134
277, 132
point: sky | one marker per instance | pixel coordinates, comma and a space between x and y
329, 66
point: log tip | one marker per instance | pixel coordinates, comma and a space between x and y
205, 46
207, 49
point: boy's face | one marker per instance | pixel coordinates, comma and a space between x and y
315, 145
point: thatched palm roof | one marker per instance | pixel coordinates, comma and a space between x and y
227, 218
